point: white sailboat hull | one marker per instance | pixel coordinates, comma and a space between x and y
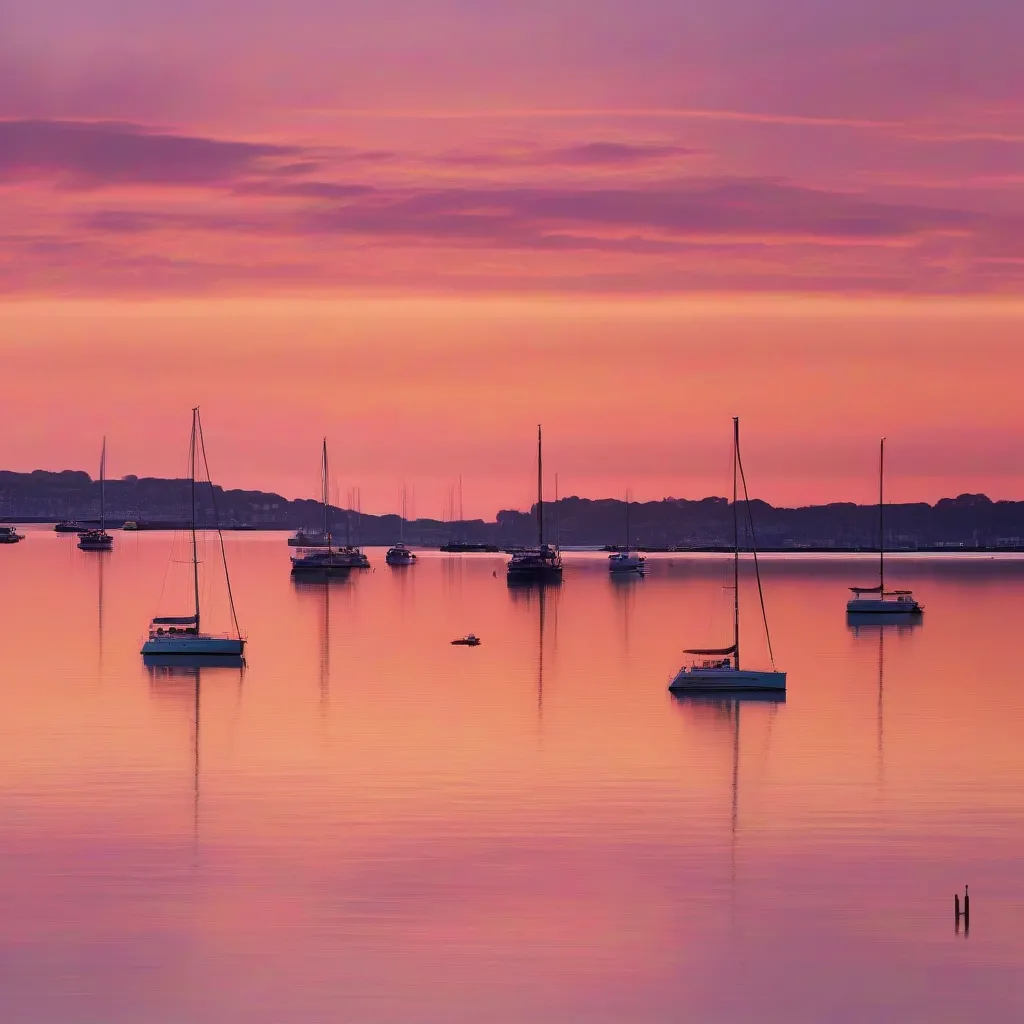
194, 644
881, 606
700, 679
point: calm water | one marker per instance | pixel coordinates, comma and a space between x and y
368, 824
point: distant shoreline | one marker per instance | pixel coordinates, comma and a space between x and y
958, 549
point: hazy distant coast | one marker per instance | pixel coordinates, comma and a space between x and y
967, 522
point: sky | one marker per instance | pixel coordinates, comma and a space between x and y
420, 229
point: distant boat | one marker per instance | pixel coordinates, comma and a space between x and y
327, 560
455, 546
9, 535
70, 526
130, 525
99, 540
469, 640
720, 671
308, 539
627, 561
399, 554
180, 636
877, 600
542, 564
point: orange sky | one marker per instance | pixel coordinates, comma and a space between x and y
633, 393
422, 231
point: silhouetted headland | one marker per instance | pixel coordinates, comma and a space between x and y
970, 522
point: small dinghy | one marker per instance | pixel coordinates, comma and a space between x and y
469, 640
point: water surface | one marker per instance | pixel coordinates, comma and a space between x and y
367, 824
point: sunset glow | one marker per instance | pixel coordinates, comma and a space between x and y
423, 230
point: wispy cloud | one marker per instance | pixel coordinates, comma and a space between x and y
597, 154
688, 208
89, 154
606, 213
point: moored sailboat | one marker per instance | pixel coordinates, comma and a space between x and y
542, 564
719, 669
877, 600
400, 554
626, 561
99, 540
327, 560
180, 636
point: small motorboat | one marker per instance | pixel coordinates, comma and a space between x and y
469, 640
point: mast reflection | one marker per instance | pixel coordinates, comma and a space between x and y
546, 602
865, 630
319, 589
100, 563
624, 586
725, 709
173, 676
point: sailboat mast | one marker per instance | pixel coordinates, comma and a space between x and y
192, 475
881, 517
736, 538
627, 522
540, 490
103, 483
558, 521
324, 484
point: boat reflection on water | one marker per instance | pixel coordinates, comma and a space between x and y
726, 709
313, 580
546, 602
899, 622
177, 676
100, 562
172, 666
866, 629
318, 591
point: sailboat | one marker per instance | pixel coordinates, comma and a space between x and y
627, 561
327, 560
542, 564
719, 671
877, 600
180, 636
399, 554
99, 540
